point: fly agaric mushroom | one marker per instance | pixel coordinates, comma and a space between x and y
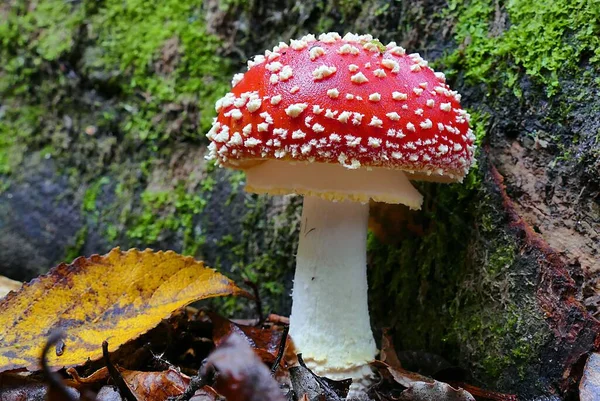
340, 121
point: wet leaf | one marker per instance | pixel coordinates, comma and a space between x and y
339, 387
145, 386
108, 393
148, 386
154, 386
399, 375
14, 387
388, 352
436, 391
115, 297
589, 387
206, 393
485, 395
96, 377
304, 383
265, 342
422, 388
242, 376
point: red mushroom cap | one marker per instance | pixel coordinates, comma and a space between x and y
345, 100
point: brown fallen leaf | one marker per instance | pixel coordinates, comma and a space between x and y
388, 351
307, 384
436, 391
304, 383
108, 393
422, 388
484, 395
14, 387
152, 386
265, 342
206, 393
115, 297
96, 377
148, 386
399, 375
7, 285
589, 387
242, 376
273, 318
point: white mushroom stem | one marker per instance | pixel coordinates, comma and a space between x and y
330, 322
330, 317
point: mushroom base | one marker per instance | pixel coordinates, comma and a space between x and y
332, 182
330, 323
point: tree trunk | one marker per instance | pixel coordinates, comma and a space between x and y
103, 110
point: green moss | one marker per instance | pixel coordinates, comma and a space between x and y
166, 54
261, 252
74, 250
236, 179
450, 283
91, 194
31, 35
227, 5
541, 39
348, 7
339, 15
264, 262
457, 298
156, 56
17, 128
165, 212
503, 327
109, 89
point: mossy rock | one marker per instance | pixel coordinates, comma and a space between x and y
103, 110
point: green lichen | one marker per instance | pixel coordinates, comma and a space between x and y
541, 39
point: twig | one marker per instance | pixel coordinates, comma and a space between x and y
204, 377
281, 350
259, 311
481, 393
273, 318
116, 375
60, 347
55, 381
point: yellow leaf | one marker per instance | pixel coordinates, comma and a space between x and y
115, 297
